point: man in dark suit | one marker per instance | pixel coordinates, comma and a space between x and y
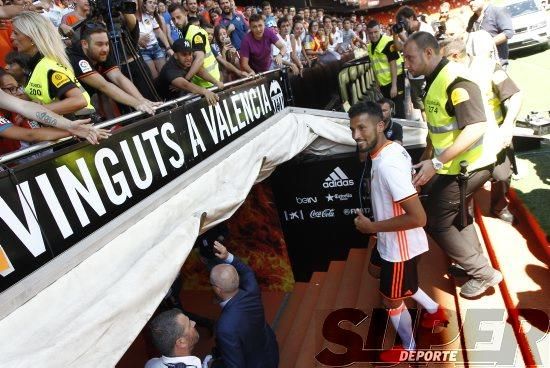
243, 337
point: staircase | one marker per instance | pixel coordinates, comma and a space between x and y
348, 284
298, 318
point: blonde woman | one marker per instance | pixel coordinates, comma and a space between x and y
51, 82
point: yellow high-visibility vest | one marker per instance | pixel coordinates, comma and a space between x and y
37, 88
442, 128
210, 63
380, 63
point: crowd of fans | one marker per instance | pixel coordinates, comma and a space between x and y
62, 53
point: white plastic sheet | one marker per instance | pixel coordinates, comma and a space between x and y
91, 315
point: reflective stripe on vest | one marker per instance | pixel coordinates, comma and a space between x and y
453, 125
210, 63
443, 128
439, 151
380, 63
494, 104
37, 87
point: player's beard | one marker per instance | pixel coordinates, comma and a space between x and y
369, 145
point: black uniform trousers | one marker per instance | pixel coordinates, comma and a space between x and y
398, 100
442, 206
502, 177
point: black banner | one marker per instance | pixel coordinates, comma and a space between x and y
317, 201
49, 205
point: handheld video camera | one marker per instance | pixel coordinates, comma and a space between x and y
205, 241
441, 29
114, 6
399, 27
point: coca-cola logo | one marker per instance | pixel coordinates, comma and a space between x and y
328, 212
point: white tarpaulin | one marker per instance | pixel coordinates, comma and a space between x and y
91, 315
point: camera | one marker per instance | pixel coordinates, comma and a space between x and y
205, 241
399, 27
114, 6
441, 30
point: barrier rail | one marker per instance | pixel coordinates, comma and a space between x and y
136, 114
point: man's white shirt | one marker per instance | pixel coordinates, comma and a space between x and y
164, 361
425, 27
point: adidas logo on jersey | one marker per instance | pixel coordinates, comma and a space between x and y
337, 178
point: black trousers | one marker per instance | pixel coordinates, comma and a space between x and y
443, 224
502, 176
398, 100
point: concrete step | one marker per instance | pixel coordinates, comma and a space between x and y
327, 296
290, 311
348, 291
351, 279
433, 279
291, 348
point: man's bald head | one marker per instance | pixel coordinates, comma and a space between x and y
454, 48
225, 277
454, 27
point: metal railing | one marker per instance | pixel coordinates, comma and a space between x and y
44, 145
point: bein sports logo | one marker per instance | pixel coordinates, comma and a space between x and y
337, 178
306, 200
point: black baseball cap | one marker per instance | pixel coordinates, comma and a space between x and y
182, 45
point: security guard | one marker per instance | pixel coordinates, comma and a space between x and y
51, 81
456, 125
198, 38
388, 66
503, 99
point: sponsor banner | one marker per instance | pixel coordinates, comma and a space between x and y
293, 215
353, 211
50, 204
306, 200
315, 200
328, 212
338, 179
338, 197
